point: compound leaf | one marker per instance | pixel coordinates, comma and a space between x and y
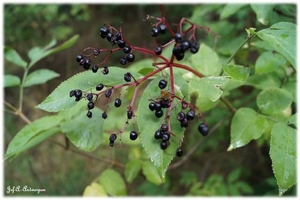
12, 56
11, 80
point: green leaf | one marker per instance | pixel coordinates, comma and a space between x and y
60, 100
142, 66
206, 61
132, 169
273, 100
148, 124
12, 56
283, 155
85, 133
32, 134
237, 72
282, 37
230, 9
291, 87
263, 12
246, 125
38, 53
151, 173
40, 76
293, 120
263, 81
113, 182
93, 190
233, 176
11, 80
209, 87
268, 62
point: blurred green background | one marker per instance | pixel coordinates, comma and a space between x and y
65, 173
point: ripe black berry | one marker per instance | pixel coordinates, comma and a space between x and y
162, 84
152, 106
159, 113
95, 68
111, 143
118, 37
104, 115
118, 102
194, 47
184, 123
179, 56
87, 64
165, 103
185, 45
158, 106
72, 93
89, 114
154, 32
162, 28
104, 31
127, 77
110, 37
112, 137
78, 94
190, 115
129, 114
96, 52
79, 58
121, 43
158, 134
126, 49
89, 96
123, 61
178, 37
164, 127
108, 93
82, 62
90, 105
133, 135
165, 137
130, 57
203, 129
99, 87
158, 50
105, 70
177, 51
180, 116
179, 152
163, 145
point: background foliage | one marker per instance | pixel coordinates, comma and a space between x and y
210, 170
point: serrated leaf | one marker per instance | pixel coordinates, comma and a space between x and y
85, 133
268, 62
263, 12
283, 155
230, 9
12, 56
60, 100
246, 125
148, 124
33, 134
40, 76
282, 37
37, 53
11, 80
132, 169
206, 61
113, 182
151, 173
94, 190
273, 100
237, 72
209, 87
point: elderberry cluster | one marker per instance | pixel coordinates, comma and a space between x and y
162, 102
182, 46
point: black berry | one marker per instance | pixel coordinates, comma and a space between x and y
159, 113
79, 58
185, 45
203, 129
158, 134
104, 31
152, 106
108, 93
164, 127
184, 123
121, 43
158, 106
72, 93
105, 70
179, 56
118, 102
154, 32
190, 115
179, 152
178, 37
127, 77
162, 84
89, 96
95, 68
165, 137
158, 50
180, 116
162, 28
163, 145
194, 47
104, 115
87, 64
112, 137
89, 114
99, 87
78, 94
177, 51
165, 103
96, 52
130, 57
129, 114
90, 105
133, 135
126, 49
123, 61
111, 143
110, 37
118, 37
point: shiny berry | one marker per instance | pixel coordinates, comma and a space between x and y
133, 135
165, 103
185, 45
164, 127
108, 93
72, 93
184, 123
179, 152
158, 106
162, 28
126, 49
87, 64
158, 50
121, 43
162, 84
104, 115
127, 77
130, 57
177, 51
90, 105
104, 31
158, 134
89, 114
96, 52
163, 145
152, 106
165, 137
194, 47
89, 96
180, 116
123, 61
178, 37
154, 32
95, 68
159, 113
105, 70
79, 58
112, 137
203, 129
110, 37
78, 94
118, 102
82, 62
99, 87
190, 115
129, 114
179, 56
111, 143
